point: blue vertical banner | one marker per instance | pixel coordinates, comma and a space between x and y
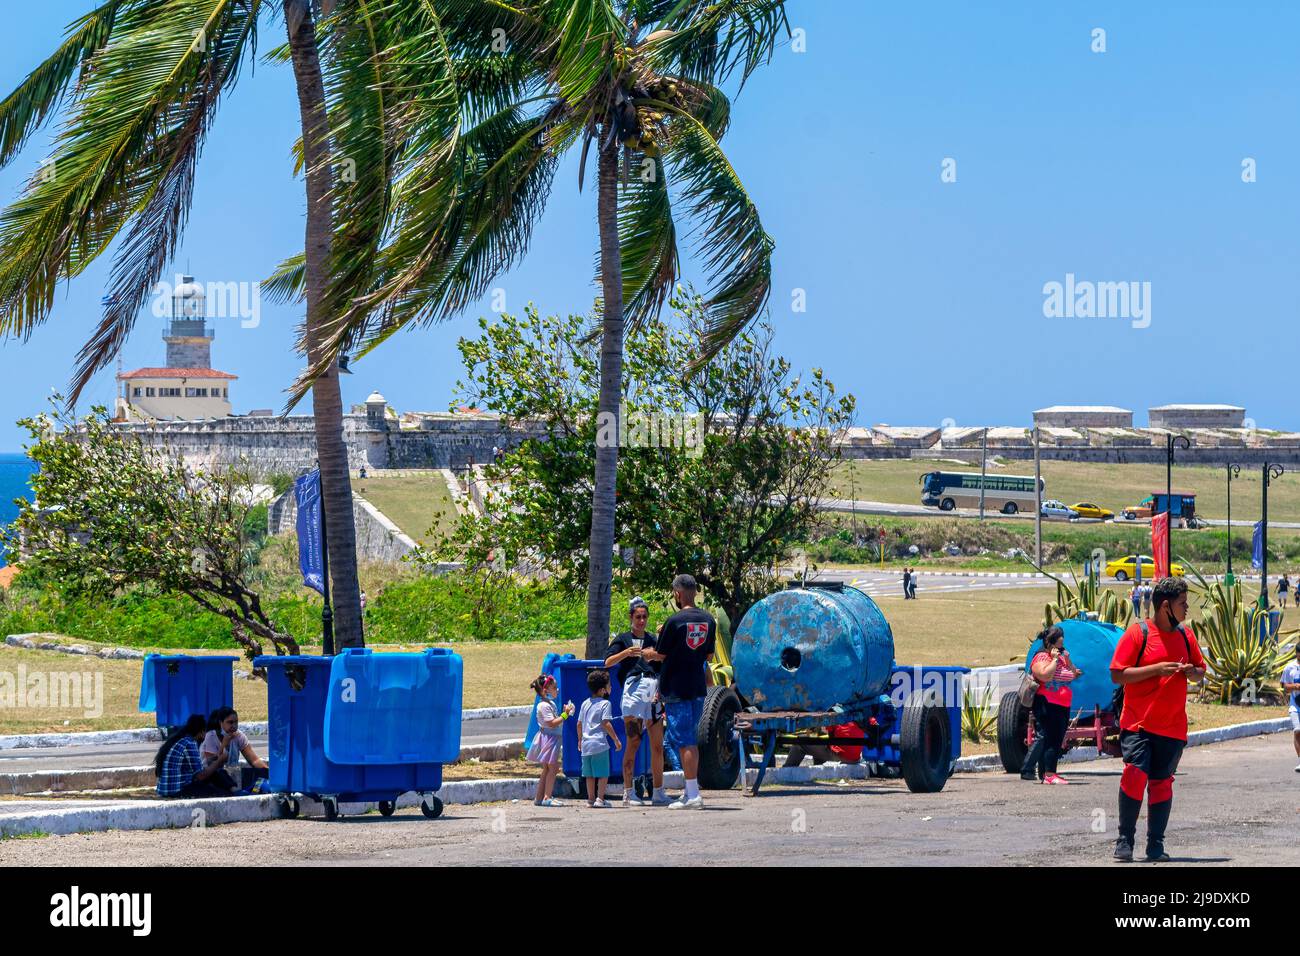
311, 555
1257, 546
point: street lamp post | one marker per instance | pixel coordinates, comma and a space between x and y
1271, 472
1180, 441
1233, 472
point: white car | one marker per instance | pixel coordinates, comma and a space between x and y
1058, 509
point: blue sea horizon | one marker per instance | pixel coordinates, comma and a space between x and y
15, 471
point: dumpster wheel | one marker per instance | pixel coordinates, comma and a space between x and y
387, 807
925, 744
288, 808
331, 805
431, 807
1013, 729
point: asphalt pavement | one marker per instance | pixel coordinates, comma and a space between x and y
1235, 804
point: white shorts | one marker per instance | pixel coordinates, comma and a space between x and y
1295, 721
638, 694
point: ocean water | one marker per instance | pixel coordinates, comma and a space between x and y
15, 469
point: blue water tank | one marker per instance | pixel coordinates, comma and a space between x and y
1091, 645
813, 648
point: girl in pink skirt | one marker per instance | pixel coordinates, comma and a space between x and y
546, 745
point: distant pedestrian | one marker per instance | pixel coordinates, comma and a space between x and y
907, 583
1153, 663
1136, 597
546, 745
686, 641
596, 725
363, 472
912, 584
1283, 586
1147, 590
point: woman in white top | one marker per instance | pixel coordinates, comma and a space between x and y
223, 727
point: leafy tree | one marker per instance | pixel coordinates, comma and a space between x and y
112, 513
458, 125
142, 81
720, 467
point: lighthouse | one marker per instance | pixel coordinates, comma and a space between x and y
187, 388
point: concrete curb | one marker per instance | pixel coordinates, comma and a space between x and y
121, 778
254, 728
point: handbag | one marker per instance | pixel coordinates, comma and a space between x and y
1028, 689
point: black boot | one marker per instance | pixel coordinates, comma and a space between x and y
1128, 818
1157, 820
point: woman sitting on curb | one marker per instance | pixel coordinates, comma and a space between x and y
179, 766
1052, 668
223, 725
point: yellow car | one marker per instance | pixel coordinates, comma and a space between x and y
1087, 510
1121, 569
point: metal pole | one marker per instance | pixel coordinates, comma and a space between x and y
327, 613
1233, 470
1038, 499
1169, 498
1270, 472
984, 468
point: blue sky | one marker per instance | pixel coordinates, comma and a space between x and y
924, 298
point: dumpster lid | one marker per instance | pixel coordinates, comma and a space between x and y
393, 708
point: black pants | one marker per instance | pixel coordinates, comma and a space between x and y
1050, 723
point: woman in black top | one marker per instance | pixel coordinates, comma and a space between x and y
638, 674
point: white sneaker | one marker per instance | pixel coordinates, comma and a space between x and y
603, 804
660, 800
1297, 768
695, 803
630, 799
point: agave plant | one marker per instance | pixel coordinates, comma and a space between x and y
979, 717
1243, 662
1085, 596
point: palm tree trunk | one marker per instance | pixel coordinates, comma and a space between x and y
601, 570
327, 400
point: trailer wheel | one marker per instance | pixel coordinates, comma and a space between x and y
1013, 729
387, 807
925, 743
719, 760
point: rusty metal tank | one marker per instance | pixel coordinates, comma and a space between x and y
810, 648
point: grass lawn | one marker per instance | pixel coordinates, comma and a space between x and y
417, 505
495, 675
1110, 486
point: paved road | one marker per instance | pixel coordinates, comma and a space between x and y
1237, 804
141, 753
890, 583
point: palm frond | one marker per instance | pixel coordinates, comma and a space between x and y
711, 41
727, 232
128, 151
647, 243
28, 107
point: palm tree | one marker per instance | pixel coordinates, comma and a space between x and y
480, 100
142, 80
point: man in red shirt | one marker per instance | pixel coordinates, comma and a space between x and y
1153, 662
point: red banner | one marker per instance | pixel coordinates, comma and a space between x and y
1160, 543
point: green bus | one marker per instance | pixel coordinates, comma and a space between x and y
1008, 494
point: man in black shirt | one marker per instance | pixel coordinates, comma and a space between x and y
633, 652
686, 643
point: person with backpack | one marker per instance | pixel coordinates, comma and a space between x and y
1153, 663
1291, 685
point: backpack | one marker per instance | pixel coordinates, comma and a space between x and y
1117, 698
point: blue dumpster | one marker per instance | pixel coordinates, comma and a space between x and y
573, 687
175, 686
362, 727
